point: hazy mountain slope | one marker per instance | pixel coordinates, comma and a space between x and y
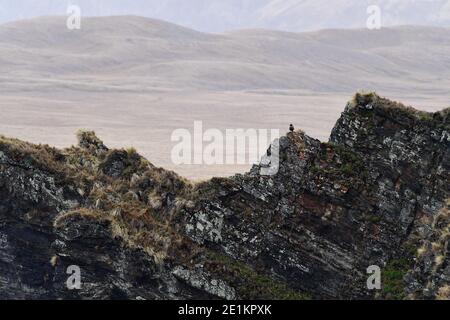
302, 15
159, 54
219, 15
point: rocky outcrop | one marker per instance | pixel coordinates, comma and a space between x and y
376, 194
46, 227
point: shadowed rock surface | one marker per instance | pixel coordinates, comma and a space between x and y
376, 194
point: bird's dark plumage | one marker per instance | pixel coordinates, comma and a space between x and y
291, 128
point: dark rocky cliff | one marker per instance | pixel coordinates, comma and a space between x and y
376, 194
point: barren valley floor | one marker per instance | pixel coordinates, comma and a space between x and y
146, 120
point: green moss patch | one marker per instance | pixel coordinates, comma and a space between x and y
393, 285
249, 283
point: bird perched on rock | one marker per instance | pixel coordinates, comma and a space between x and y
291, 128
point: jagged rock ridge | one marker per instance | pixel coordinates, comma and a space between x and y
376, 194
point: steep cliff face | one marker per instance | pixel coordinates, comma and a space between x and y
376, 194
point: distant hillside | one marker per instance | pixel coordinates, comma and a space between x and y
219, 15
136, 80
144, 54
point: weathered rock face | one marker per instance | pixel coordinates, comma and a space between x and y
407, 154
42, 234
369, 197
376, 194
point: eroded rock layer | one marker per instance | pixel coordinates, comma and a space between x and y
376, 194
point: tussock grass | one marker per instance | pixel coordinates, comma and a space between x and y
397, 110
122, 201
